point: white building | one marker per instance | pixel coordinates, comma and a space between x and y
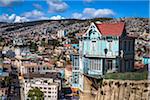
3, 93
25, 66
34, 68
61, 33
19, 41
48, 86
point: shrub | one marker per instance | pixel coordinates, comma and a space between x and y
127, 76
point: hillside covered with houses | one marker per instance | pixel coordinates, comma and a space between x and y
69, 58
70, 25
48, 29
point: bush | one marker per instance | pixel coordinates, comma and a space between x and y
128, 76
35, 93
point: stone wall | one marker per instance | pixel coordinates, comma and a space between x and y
119, 90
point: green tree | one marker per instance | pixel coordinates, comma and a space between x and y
33, 46
7, 80
43, 42
1, 39
36, 94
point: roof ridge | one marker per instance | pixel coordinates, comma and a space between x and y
111, 22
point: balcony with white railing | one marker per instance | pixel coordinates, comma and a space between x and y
100, 55
95, 72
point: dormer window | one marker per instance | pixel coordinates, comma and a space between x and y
109, 38
92, 27
85, 38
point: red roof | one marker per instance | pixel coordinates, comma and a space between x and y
80, 34
68, 67
111, 29
67, 45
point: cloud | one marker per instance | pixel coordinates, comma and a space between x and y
20, 19
27, 16
88, 1
12, 18
93, 13
56, 6
5, 3
77, 15
34, 15
98, 12
57, 17
37, 6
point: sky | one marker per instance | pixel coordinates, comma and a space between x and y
31, 10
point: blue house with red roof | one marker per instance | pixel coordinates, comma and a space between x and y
105, 48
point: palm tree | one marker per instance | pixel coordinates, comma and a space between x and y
36, 94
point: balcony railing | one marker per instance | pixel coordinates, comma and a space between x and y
101, 56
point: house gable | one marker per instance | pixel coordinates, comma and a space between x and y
92, 32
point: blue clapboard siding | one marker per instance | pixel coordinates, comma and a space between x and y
146, 60
93, 46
